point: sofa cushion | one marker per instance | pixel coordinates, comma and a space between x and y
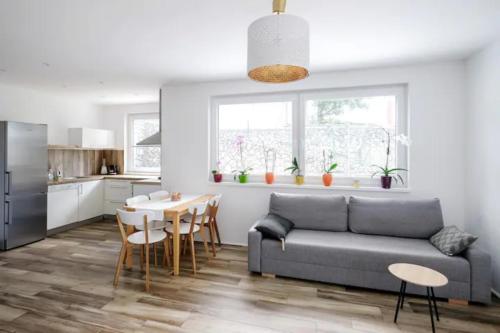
363, 252
274, 226
452, 241
315, 212
395, 217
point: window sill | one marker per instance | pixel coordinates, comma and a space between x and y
314, 187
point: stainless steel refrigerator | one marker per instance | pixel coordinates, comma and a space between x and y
23, 183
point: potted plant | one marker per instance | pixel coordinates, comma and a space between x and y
270, 160
217, 174
244, 171
328, 167
295, 170
242, 175
387, 174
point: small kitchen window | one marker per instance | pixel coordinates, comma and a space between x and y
143, 158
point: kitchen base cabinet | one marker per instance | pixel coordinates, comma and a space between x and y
145, 189
90, 200
116, 192
62, 205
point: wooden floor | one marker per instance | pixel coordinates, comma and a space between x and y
64, 284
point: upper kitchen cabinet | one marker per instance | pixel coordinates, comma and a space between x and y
92, 138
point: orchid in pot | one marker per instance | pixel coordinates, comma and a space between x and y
296, 170
244, 171
328, 167
270, 161
386, 173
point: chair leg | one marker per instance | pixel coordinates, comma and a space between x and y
184, 245
155, 249
147, 267
212, 237
193, 256
142, 257
166, 253
217, 232
204, 237
119, 264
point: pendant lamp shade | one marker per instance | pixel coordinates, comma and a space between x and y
278, 49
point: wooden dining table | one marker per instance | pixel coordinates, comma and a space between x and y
173, 211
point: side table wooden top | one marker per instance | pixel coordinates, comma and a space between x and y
419, 275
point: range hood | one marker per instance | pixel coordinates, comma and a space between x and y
155, 139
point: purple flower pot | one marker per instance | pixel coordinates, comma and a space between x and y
386, 181
217, 177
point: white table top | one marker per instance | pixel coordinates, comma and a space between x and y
159, 206
419, 275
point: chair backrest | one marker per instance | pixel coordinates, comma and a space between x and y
135, 218
159, 195
136, 199
199, 208
214, 202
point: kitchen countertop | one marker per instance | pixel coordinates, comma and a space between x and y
100, 177
153, 181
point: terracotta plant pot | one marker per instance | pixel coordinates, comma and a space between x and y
269, 177
243, 179
327, 179
217, 177
386, 181
299, 180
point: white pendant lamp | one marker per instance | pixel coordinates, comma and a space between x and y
278, 47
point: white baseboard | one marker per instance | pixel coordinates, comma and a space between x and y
496, 293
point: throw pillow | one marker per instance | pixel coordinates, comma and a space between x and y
451, 240
274, 226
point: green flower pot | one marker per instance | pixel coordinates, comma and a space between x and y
243, 179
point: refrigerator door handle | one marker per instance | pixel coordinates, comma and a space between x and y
8, 182
8, 212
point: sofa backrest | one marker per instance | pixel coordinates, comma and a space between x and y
315, 212
395, 217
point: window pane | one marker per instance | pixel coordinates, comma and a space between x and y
144, 128
255, 127
352, 131
147, 158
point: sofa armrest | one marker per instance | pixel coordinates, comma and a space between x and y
254, 249
480, 271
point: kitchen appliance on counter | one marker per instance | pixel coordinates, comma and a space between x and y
23, 183
113, 169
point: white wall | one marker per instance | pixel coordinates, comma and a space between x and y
483, 158
115, 118
26, 105
436, 121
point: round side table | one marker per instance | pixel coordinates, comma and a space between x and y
421, 276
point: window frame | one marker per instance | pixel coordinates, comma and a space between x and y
299, 100
130, 142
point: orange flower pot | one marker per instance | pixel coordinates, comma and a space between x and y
327, 179
269, 177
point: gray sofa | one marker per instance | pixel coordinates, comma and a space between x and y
354, 244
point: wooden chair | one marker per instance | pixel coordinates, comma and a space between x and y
187, 230
136, 199
159, 195
210, 222
141, 238
152, 224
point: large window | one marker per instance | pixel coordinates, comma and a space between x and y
145, 159
351, 127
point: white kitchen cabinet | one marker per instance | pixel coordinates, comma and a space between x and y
62, 205
92, 138
116, 192
144, 189
90, 199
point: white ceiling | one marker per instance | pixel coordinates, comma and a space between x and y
123, 50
